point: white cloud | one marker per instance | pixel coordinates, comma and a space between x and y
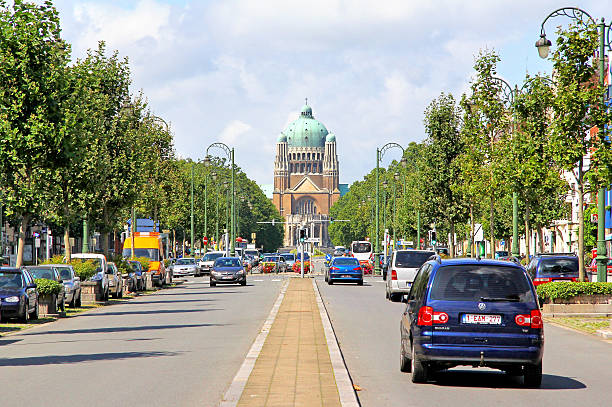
235, 132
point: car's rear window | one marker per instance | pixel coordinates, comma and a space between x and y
481, 283
411, 259
41, 272
346, 261
557, 266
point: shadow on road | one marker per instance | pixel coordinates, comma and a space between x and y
494, 379
67, 359
4, 342
167, 301
121, 329
152, 312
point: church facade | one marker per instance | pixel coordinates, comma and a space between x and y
306, 177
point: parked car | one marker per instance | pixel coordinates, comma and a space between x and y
50, 273
185, 267
404, 266
18, 295
72, 284
480, 313
115, 280
99, 261
544, 268
138, 272
289, 259
206, 263
298, 257
344, 270
227, 270
385, 267
274, 263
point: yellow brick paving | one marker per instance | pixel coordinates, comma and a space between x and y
294, 367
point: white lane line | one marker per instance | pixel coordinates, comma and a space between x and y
276, 279
257, 280
232, 395
343, 380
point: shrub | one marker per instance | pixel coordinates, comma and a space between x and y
47, 287
144, 261
567, 289
84, 269
57, 259
298, 268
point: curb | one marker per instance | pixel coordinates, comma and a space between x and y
348, 398
233, 394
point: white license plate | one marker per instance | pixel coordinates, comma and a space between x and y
481, 319
227, 277
346, 276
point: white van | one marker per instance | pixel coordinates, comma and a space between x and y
403, 268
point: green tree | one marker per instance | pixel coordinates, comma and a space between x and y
443, 201
577, 110
34, 59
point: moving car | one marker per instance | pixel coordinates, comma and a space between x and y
480, 313
361, 250
344, 270
115, 280
185, 267
256, 255
72, 284
544, 268
18, 295
206, 263
227, 270
50, 273
402, 269
99, 261
339, 251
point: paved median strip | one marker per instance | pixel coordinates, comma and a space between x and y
297, 361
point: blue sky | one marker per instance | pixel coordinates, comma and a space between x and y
238, 71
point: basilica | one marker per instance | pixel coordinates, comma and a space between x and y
306, 178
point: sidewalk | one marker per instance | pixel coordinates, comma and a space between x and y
294, 366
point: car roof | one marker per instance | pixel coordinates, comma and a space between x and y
474, 261
10, 270
88, 256
58, 265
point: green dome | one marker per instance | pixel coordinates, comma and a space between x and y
282, 138
306, 131
331, 138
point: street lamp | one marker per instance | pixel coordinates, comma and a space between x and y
207, 161
227, 221
397, 177
380, 152
543, 46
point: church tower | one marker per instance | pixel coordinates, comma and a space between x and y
306, 177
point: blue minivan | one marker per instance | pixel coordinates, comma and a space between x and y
472, 312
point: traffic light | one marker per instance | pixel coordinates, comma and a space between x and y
433, 237
302, 235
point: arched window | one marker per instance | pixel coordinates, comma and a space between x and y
306, 206
308, 156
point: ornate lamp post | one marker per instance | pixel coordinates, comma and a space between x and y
380, 152
214, 177
543, 46
394, 223
207, 162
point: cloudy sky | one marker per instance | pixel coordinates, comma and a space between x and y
238, 71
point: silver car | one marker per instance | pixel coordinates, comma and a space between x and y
185, 266
206, 262
115, 280
72, 284
403, 268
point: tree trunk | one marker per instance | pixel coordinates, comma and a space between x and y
527, 231
491, 229
452, 240
580, 223
471, 243
21, 242
105, 237
540, 239
68, 248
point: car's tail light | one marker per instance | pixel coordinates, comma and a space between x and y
357, 268
440, 317
334, 269
393, 275
532, 320
425, 317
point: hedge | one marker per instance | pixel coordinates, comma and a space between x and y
84, 269
568, 289
47, 287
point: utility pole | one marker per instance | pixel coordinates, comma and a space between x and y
191, 244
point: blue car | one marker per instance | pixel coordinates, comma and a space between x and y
344, 270
18, 295
227, 270
472, 312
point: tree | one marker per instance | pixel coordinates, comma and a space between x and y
577, 110
444, 145
34, 60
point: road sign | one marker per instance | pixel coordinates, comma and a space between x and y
37, 242
205, 240
312, 240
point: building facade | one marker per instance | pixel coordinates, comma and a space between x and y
306, 177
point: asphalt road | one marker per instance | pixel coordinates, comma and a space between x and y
178, 347
577, 367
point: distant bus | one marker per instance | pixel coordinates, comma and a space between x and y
361, 251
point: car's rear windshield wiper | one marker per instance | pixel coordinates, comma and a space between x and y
510, 298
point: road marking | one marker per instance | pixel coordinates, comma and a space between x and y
232, 395
275, 279
257, 280
343, 380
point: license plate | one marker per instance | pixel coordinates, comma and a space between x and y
346, 276
227, 277
481, 319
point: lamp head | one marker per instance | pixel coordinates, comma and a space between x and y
385, 183
397, 176
214, 176
404, 162
543, 46
207, 161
